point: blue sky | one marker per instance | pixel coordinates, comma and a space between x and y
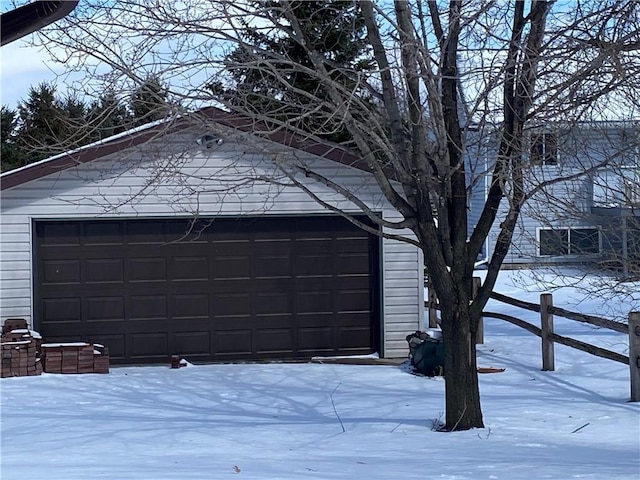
22, 66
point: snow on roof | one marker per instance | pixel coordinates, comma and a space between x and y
97, 143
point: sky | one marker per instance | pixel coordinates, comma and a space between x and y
325, 421
21, 67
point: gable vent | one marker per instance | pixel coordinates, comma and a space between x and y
209, 141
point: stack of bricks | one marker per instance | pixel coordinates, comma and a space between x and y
75, 358
20, 349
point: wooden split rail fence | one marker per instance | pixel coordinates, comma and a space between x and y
546, 333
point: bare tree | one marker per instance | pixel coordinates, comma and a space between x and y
451, 93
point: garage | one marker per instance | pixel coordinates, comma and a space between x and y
221, 289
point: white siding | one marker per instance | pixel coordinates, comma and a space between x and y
206, 185
559, 205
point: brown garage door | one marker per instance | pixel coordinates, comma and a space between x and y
217, 290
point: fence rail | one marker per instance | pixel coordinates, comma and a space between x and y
561, 312
546, 333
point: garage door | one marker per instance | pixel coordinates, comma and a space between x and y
213, 290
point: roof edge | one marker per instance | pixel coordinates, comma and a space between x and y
148, 132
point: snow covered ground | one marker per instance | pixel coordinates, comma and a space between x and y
327, 421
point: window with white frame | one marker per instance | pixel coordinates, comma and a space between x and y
544, 149
568, 241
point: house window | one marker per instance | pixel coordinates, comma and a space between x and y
544, 149
569, 241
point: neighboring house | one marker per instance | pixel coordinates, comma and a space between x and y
578, 218
166, 241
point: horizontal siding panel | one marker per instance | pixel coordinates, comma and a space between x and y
10, 275
392, 264
16, 285
15, 301
397, 349
399, 274
13, 224
400, 256
405, 292
404, 328
400, 285
399, 339
6, 248
17, 312
13, 266
18, 255
8, 238
399, 246
401, 299
402, 310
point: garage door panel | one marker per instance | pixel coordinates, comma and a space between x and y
147, 307
103, 270
147, 269
146, 232
115, 343
356, 281
226, 289
232, 304
271, 266
315, 284
60, 234
145, 346
231, 267
314, 301
237, 342
191, 232
313, 265
274, 340
104, 308
274, 230
189, 269
63, 332
353, 300
352, 243
231, 286
272, 303
56, 310
352, 338
316, 320
353, 263
56, 272
193, 343
190, 306
103, 233
314, 339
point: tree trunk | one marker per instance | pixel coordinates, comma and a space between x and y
461, 377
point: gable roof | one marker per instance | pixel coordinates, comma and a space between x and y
141, 135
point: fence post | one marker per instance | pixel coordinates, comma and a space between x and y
477, 283
432, 299
546, 321
634, 355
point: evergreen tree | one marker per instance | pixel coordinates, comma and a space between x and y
41, 129
335, 29
149, 101
108, 116
45, 124
74, 127
11, 155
